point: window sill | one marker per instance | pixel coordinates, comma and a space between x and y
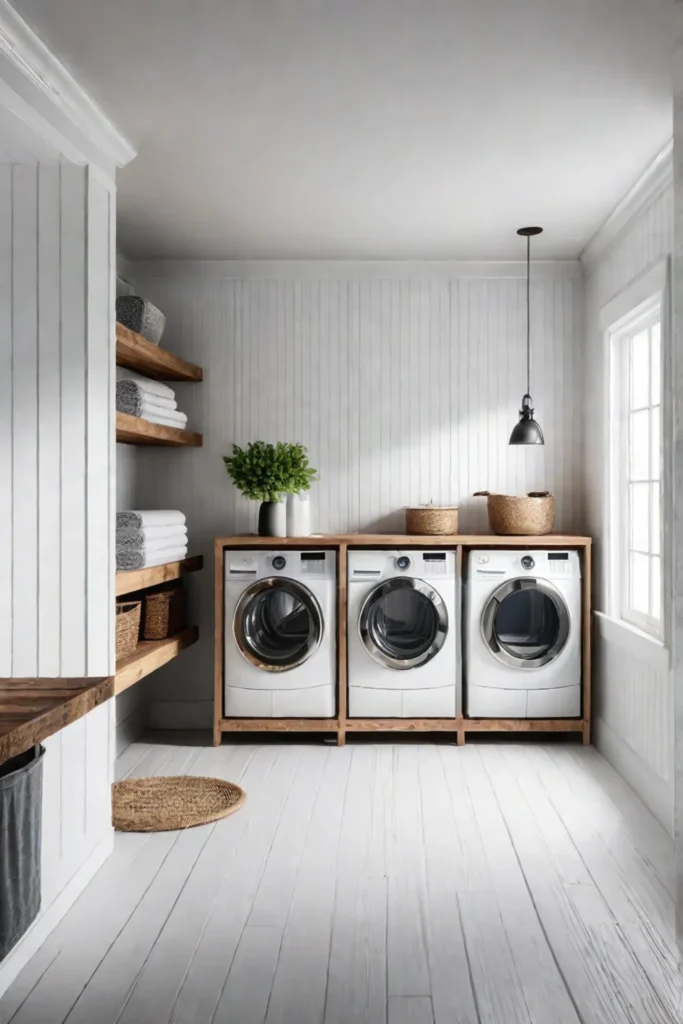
633, 640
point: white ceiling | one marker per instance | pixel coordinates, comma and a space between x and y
370, 128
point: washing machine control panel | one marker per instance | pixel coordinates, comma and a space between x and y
559, 564
403, 562
279, 562
527, 562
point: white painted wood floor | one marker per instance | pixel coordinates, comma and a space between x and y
408, 884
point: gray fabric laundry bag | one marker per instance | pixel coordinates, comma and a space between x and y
21, 799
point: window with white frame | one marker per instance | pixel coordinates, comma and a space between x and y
636, 466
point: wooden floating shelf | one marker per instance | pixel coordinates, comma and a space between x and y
151, 655
139, 579
33, 709
135, 430
137, 353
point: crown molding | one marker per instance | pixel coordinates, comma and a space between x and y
26, 53
315, 270
654, 180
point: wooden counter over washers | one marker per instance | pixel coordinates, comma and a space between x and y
33, 709
458, 725
406, 540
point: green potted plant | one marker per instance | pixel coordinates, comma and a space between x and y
265, 472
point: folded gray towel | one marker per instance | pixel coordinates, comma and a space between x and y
133, 399
152, 536
139, 559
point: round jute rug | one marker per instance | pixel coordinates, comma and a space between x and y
167, 802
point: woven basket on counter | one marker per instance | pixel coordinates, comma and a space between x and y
164, 613
432, 520
530, 515
127, 627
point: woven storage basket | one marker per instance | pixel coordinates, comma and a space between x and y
530, 515
432, 520
164, 613
127, 627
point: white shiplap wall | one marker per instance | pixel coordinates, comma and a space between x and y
57, 231
633, 699
404, 381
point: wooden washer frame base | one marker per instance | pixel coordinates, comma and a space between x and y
458, 726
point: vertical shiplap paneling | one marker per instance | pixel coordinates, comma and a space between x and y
49, 423
6, 448
73, 422
56, 403
633, 695
25, 420
404, 386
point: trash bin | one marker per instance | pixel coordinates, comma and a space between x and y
21, 797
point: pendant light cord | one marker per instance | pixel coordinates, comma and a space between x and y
528, 315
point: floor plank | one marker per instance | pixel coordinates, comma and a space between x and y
543, 987
374, 884
356, 985
607, 981
300, 984
410, 1010
451, 983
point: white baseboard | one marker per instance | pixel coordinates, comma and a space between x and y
49, 918
655, 792
130, 728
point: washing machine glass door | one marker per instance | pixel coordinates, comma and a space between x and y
403, 623
278, 624
525, 623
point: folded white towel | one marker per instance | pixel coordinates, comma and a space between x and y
138, 519
150, 387
130, 559
149, 533
130, 393
147, 539
154, 545
173, 419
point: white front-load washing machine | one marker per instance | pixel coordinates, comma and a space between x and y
280, 634
523, 634
402, 629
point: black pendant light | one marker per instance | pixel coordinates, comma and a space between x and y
527, 431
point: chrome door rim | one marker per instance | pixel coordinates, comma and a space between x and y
403, 583
488, 619
302, 594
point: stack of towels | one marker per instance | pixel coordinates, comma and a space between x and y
149, 538
150, 399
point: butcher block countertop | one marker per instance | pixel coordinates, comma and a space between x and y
33, 709
484, 540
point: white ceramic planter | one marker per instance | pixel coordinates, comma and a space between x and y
298, 515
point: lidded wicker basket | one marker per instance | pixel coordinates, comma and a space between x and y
432, 520
127, 627
530, 515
